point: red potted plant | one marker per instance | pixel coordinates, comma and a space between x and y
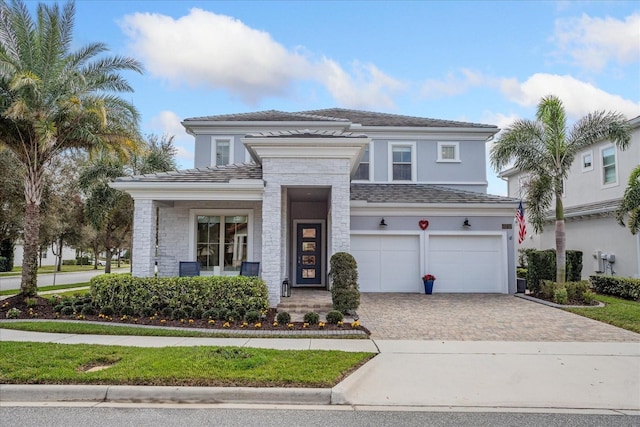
428, 280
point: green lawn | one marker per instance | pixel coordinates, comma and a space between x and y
17, 271
49, 288
49, 363
617, 311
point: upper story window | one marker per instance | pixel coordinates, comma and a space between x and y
587, 161
448, 152
403, 166
364, 168
609, 173
221, 151
523, 185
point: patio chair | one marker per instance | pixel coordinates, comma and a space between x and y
249, 268
189, 268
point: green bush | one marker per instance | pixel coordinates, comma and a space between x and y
107, 310
179, 314
58, 308
223, 313
67, 310
13, 313
82, 260
344, 287
311, 318
283, 317
574, 266
68, 262
233, 316
197, 313
252, 316
87, 310
560, 295
334, 316
167, 312
147, 312
7, 251
576, 293
623, 287
207, 292
211, 314
127, 310
521, 272
4, 264
541, 265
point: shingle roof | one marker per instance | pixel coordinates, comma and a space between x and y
420, 193
306, 133
596, 208
209, 174
365, 118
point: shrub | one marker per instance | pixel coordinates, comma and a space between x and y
589, 297
87, 310
82, 260
13, 313
188, 309
241, 311
30, 302
541, 265
283, 317
77, 307
4, 264
211, 314
232, 316
228, 292
521, 272
344, 276
311, 318
179, 314
334, 316
147, 312
560, 295
197, 313
67, 310
252, 316
68, 262
58, 308
623, 287
576, 290
107, 310
167, 312
127, 310
223, 313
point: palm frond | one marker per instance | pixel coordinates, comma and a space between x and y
630, 204
539, 197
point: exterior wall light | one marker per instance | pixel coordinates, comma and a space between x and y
466, 224
382, 223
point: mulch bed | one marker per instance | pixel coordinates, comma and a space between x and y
44, 309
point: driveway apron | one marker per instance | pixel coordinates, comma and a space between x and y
478, 317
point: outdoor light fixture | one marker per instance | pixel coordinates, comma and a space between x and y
382, 223
466, 223
286, 288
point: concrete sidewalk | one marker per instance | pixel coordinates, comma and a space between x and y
437, 374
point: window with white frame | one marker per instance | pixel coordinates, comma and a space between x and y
364, 168
609, 173
523, 186
448, 152
221, 242
587, 161
403, 166
221, 151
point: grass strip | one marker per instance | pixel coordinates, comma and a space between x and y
50, 363
61, 327
48, 288
617, 311
17, 271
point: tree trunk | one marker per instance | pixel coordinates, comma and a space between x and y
561, 242
29, 285
107, 264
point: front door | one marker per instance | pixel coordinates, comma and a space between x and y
309, 254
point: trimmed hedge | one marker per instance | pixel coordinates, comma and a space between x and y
4, 264
623, 287
344, 275
144, 294
541, 265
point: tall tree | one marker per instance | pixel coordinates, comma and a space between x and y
11, 205
545, 150
630, 203
53, 99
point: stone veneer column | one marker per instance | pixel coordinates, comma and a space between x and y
272, 240
144, 238
340, 216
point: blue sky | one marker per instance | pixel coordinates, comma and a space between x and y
487, 62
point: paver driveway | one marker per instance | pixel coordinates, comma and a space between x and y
478, 317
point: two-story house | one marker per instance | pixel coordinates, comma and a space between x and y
592, 191
405, 195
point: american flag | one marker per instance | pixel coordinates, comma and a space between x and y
522, 227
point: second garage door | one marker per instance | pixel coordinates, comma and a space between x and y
387, 263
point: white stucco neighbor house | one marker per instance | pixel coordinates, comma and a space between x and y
405, 195
592, 191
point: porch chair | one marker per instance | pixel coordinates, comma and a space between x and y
189, 268
249, 268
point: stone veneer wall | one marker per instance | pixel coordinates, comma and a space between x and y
173, 231
144, 226
281, 173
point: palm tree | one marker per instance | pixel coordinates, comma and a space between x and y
545, 150
53, 100
630, 203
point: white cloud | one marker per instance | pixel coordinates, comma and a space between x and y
578, 97
594, 42
454, 84
168, 122
211, 51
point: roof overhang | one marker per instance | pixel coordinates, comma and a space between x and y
241, 189
362, 208
206, 127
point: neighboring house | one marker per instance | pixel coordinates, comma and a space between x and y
405, 195
593, 189
46, 257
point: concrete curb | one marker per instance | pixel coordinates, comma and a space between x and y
158, 394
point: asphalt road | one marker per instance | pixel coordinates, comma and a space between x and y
131, 415
13, 282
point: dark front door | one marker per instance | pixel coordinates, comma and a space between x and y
309, 254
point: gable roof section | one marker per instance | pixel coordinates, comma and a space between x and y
306, 133
266, 116
421, 193
217, 174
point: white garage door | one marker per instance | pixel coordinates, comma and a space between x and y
387, 263
467, 263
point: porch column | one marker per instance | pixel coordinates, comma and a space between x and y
144, 238
272, 240
340, 215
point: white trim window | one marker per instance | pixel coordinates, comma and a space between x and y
402, 164
523, 185
587, 161
220, 240
221, 151
364, 171
609, 166
449, 152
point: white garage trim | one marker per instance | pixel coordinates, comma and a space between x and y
501, 274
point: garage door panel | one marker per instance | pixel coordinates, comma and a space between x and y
401, 272
367, 277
